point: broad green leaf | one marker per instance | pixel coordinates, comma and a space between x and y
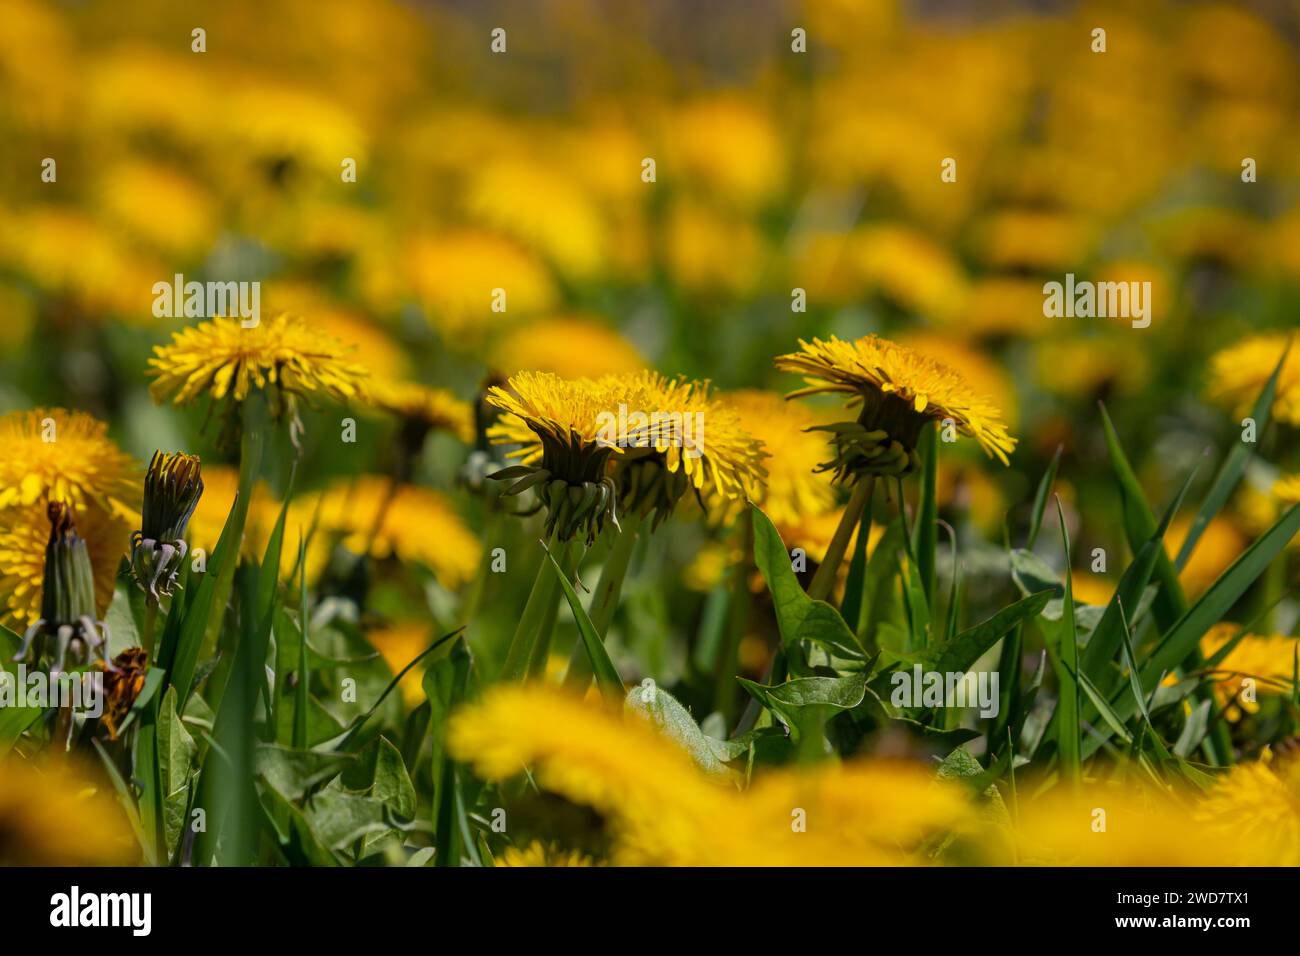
798, 616
292, 773
970, 645
176, 751
675, 722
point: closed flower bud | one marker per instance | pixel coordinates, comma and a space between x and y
172, 488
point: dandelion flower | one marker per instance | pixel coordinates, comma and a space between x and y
224, 359
791, 488
537, 853
899, 390
569, 346
1239, 373
1258, 805
562, 428
665, 810
1268, 661
51, 454
52, 816
423, 409
1287, 489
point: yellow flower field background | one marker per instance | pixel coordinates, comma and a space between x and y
617, 413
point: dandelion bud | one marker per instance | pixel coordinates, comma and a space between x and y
172, 488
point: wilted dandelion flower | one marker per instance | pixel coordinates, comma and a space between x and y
225, 360
899, 390
51, 816
68, 621
1239, 373
123, 682
24, 534
51, 454
172, 488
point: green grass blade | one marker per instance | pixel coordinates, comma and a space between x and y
1040, 498
1067, 727
1234, 466
607, 679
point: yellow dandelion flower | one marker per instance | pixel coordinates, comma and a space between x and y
730, 148
1120, 825
791, 489
913, 270
1287, 490
400, 643
1268, 661
424, 408
52, 815
413, 524
542, 409
1084, 368
52, 454
222, 358
695, 433
166, 209
550, 213
661, 806
24, 532
541, 854
899, 389
454, 276
1258, 804
569, 346
1239, 373
1002, 306
663, 810
984, 376
1220, 544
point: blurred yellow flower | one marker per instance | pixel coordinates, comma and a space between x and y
400, 643
423, 408
1121, 825
662, 810
789, 490
1258, 805
162, 207
454, 276
1239, 373
547, 212
569, 346
537, 853
726, 147
53, 815
910, 268
1087, 367
1267, 660
1220, 544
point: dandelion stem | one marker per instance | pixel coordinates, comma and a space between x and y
605, 601
545, 587
150, 620
824, 580
738, 608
